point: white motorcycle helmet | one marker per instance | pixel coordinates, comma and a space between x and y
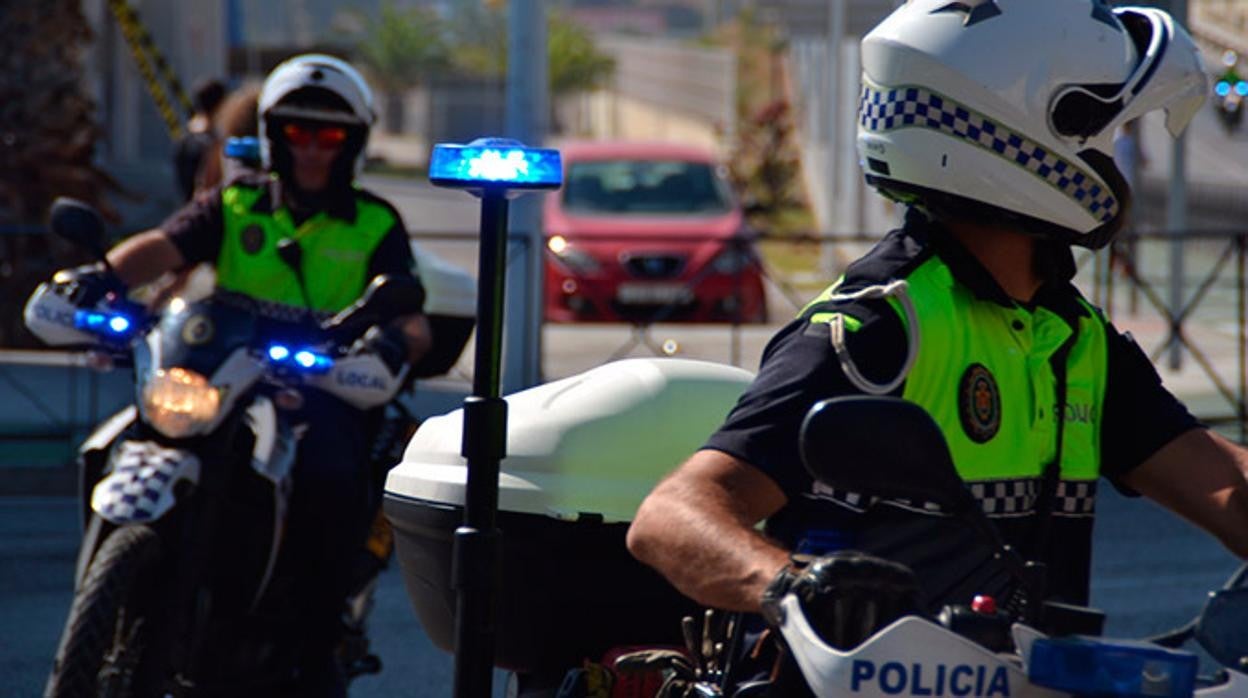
1006, 109
315, 87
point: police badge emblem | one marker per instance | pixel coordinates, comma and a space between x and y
979, 403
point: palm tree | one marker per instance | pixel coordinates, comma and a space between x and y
400, 49
48, 133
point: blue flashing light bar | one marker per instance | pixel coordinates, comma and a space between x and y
243, 148
112, 324
495, 163
1096, 667
1223, 88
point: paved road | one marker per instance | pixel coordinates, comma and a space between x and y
1151, 574
38, 542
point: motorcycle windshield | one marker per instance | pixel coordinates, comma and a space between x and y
200, 335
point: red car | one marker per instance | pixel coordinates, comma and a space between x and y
648, 232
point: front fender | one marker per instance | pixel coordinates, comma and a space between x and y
140, 485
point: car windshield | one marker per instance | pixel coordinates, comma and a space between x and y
645, 187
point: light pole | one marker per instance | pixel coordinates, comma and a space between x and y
496, 170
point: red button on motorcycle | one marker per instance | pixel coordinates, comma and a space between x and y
984, 604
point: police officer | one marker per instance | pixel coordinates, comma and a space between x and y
993, 122
315, 112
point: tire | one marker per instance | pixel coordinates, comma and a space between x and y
92, 627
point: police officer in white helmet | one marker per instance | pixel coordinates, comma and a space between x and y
315, 112
992, 121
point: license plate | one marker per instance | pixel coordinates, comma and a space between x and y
652, 294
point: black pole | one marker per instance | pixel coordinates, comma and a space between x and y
477, 560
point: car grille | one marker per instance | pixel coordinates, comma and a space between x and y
653, 266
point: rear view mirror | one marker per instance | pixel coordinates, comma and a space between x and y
1220, 630
882, 447
79, 223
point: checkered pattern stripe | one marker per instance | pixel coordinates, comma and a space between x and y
1075, 498
859, 502
142, 473
268, 309
888, 109
998, 498
1007, 497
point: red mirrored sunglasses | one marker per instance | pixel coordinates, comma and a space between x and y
325, 137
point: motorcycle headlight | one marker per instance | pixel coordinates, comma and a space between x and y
178, 402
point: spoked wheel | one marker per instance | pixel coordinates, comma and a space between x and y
102, 643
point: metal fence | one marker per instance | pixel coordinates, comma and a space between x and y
1131, 284
1208, 324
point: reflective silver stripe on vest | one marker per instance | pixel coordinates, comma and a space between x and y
836, 331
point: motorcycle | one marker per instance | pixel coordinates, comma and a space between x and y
1038, 648
607, 626
181, 588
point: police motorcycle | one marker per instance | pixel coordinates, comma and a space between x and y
1007, 646
180, 587
579, 617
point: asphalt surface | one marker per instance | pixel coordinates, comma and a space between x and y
38, 545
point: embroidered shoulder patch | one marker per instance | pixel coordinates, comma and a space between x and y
979, 403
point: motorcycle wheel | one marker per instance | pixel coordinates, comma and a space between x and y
97, 654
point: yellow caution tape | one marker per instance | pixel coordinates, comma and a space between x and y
148, 59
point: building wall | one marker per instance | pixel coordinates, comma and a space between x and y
136, 145
662, 90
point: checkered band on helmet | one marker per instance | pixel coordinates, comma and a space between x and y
883, 109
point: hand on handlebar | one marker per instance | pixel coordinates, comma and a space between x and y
88, 284
847, 596
387, 343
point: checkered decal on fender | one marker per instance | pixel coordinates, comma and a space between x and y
139, 488
889, 109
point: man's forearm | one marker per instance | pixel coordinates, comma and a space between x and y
144, 257
713, 567
697, 529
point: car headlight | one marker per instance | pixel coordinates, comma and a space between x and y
732, 260
179, 402
577, 261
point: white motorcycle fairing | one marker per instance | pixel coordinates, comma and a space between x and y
910, 657
273, 458
916, 657
139, 488
49, 315
363, 381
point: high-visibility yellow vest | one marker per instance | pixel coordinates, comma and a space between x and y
335, 253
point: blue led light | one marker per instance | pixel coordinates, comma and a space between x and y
1241, 88
305, 358
118, 324
277, 352
1090, 666
102, 323
1223, 88
495, 162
